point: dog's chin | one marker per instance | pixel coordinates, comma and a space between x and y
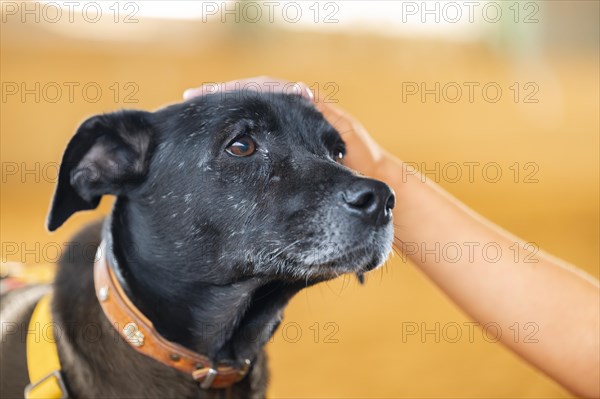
356, 260
324, 260
359, 262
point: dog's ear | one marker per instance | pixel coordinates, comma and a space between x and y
108, 155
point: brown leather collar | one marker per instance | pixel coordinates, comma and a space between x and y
139, 333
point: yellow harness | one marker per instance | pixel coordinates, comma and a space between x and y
43, 363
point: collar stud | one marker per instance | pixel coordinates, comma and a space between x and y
133, 334
103, 293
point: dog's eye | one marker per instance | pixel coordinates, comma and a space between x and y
242, 146
338, 154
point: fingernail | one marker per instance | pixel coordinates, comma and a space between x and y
310, 93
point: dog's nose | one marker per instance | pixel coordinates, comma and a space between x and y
370, 199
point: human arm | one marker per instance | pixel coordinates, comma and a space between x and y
522, 285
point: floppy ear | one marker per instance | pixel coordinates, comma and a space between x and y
108, 155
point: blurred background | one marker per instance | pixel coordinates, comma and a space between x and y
496, 101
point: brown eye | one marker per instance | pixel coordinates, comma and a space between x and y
242, 146
338, 154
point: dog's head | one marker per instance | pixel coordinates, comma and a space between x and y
232, 185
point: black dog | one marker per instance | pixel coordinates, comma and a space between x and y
227, 206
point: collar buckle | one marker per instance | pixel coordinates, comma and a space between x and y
209, 378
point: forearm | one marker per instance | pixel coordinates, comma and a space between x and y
497, 278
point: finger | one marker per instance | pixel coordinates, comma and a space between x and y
305, 91
238, 84
263, 84
200, 91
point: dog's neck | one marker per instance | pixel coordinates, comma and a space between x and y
228, 322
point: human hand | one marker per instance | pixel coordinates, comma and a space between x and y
363, 153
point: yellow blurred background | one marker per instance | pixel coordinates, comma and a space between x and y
340, 339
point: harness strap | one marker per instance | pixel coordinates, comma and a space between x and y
43, 363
